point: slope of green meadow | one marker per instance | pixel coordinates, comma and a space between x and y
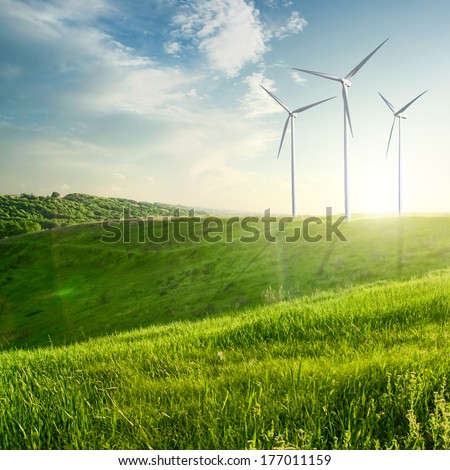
66, 285
365, 368
227, 345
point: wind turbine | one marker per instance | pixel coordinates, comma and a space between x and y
345, 85
398, 115
290, 118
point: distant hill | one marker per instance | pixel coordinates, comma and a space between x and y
29, 213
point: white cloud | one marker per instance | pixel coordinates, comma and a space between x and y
298, 78
278, 3
139, 90
172, 48
295, 25
256, 102
119, 175
228, 32
94, 72
46, 18
116, 80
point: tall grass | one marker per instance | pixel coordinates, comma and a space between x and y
359, 368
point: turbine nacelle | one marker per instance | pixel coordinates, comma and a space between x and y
398, 114
346, 82
291, 113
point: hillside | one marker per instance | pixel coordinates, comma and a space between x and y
29, 213
363, 368
66, 285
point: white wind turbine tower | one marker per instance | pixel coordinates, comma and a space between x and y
345, 85
291, 117
399, 115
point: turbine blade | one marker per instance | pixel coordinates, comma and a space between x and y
346, 108
304, 108
410, 103
283, 134
356, 69
390, 136
320, 74
276, 99
387, 103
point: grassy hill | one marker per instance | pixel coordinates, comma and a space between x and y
29, 213
67, 285
365, 368
138, 344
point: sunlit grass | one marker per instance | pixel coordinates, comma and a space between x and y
358, 368
65, 285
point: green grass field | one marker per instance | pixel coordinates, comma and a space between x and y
62, 286
340, 345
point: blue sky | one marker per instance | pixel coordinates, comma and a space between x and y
160, 101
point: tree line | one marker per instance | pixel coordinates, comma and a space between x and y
29, 213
